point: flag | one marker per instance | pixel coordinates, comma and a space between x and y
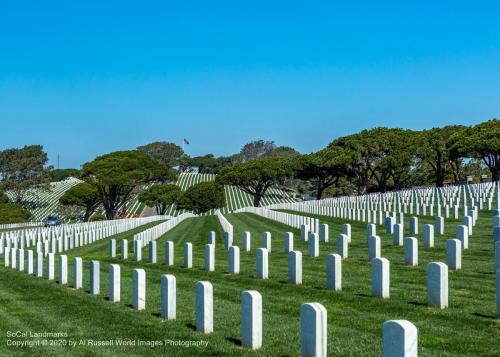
186, 141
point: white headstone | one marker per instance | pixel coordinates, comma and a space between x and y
124, 249
112, 248
467, 221
262, 263
463, 236
29, 262
454, 254
77, 273
324, 234
94, 277
168, 297
371, 230
288, 242
295, 267
20, 259
139, 289
211, 237
152, 252
497, 255
246, 241
63, 269
437, 285
137, 250
114, 282
346, 229
413, 225
313, 330
251, 319
266, 241
439, 225
342, 245
400, 339
204, 307
39, 264
228, 240
428, 236
304, 232
498, 292
169, 253
398, 235
209, 257
234, 260
50, 266
313, 245
380, 277
188, 255
334, 272
411, 251
373, 247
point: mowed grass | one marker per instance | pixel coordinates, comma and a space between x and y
355, 318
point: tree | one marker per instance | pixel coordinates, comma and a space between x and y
4, 198
203, 197
62, 174
205, 164
161, 197
22, 169
435, 146
169, 154
283, 151
360, 158
482, 141
255, 177
83, 195
118, 174
13, 213
256, 149
323, 168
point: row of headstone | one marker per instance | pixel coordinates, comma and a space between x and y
289, 219
66, 241
157, 231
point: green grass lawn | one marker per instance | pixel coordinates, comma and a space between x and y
467, 327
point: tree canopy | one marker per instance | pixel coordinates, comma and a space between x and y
13, 213
323, 168
118, 174
435, 147
169, 154
161, 197
22, 169
83, 195
256, 176
203, 197
62, 174
4, 198
482, 141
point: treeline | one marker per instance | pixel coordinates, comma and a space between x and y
378, 159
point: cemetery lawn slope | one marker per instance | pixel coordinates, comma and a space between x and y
467, 327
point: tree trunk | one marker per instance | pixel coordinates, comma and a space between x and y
87, 214
320, 188
495, 173
439, 174
256, 199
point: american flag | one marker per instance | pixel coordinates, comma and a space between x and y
186, 141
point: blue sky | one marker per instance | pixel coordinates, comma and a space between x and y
90, 77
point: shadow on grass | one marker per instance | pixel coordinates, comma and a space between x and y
363, 295
478, 314
191, 326
417, 303
236, 341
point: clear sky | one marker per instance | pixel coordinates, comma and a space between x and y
88, 77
